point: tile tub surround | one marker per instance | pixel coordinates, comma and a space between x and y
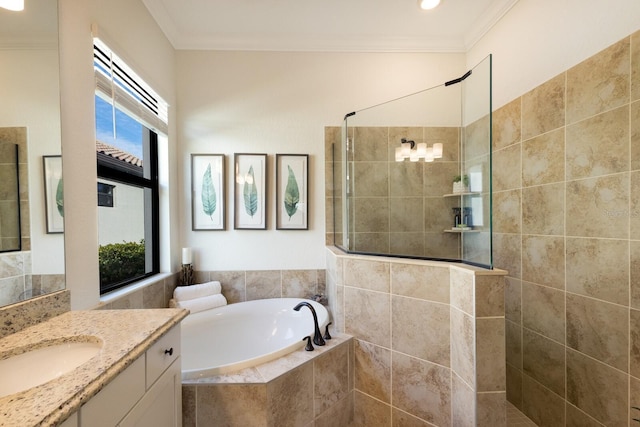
303, 388
125, 335
429, 339
570, 241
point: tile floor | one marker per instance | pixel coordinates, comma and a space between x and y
515, 418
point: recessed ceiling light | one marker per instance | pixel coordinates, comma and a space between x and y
428, 4
15, 5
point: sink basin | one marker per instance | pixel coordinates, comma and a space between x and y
31, 368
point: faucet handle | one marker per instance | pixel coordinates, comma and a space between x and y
327, 336
309, 346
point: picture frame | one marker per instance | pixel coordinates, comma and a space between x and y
53, 193
208, 192
292, 188
250, 191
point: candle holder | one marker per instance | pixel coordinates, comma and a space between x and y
186, 275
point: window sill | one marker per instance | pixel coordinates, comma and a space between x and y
133, 287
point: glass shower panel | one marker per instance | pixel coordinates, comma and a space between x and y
476, 163
415, 174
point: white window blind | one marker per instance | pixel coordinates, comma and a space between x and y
117, 84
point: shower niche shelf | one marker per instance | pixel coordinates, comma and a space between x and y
452, 230
472, 193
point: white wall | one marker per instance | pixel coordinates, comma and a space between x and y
538, 39
280, 102
131, 32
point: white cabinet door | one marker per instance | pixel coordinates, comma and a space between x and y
161, 406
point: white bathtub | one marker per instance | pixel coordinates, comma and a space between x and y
236, 336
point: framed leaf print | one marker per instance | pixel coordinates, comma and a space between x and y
53, 193
207, 192
292, 186
250, 195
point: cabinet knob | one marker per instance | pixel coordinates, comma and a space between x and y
169, 352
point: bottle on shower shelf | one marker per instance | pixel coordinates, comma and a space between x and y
457, 217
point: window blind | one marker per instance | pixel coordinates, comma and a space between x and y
117, 84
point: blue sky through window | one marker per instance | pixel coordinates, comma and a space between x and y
128, 133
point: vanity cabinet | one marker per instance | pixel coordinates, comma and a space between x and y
148, 393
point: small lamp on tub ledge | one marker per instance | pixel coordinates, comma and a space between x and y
186, 277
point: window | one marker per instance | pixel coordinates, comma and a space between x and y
129, 116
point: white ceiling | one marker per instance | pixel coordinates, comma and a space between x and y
326, 25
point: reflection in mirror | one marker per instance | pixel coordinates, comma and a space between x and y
9, 198
30, 118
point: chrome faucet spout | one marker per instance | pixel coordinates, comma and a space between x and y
317, 336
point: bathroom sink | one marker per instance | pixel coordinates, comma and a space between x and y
31, 368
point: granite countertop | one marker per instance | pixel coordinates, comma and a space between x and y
125, 334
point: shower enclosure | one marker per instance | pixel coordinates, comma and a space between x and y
412, 176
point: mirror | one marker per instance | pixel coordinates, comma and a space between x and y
30, 120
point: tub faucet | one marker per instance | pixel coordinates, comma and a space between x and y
317, 336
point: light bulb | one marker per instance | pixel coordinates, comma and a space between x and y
429, 156
422, 149
406, 149
413, 157
428, 4
399, 156
15, 5
437, 150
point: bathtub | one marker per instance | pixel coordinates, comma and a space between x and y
240, 335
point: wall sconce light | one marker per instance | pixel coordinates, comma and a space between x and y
410, 150
15, 5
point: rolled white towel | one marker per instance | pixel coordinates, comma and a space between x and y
184, 293
202, 303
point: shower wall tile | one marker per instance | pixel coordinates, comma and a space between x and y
405, 214
371, 275
264, 284
543, 260
634, 344
370, 412
438, 178
507, 124
371, 179
421, 388
635, 66
409, 318
543, 209
635, 135
490, 354
634, 270
475, 137
598, 329
513, 344
489, 296
373, 370
372, 214
634, 211
598, 145
507, 211
402, 419
367, 315
462, 413
599, 83
442, 245
405, 179
408, 243
577, 418
514, 386
513, 300
599, 268
462, 295
421, 281
339, 414
543, 311
543, 159
544, 361
438, 213
371, 242
541, 405
491, 409
543, 108
507, 250
450, 139
597, 389
370, 144
462, 347
332, 142
507, 168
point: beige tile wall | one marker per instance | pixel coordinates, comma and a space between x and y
566, 220
429, 339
